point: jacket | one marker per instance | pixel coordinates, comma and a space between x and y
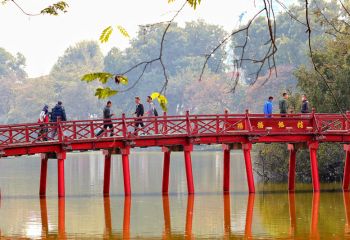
139, 110
305, 107
268, 108
283, 104
107, 113
58, 111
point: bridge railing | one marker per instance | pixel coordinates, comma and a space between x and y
165, 126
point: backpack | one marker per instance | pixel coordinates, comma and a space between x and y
155, 112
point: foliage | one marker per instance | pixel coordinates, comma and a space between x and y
106, 33
55, 8
103, 93
101, 76
162, 100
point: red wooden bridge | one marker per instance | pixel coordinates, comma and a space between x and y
179, 133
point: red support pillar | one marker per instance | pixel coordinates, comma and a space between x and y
43, 175
126, 170
292, 165
247, 147
346, 177
313, 146
61, 157
188, 164
166, 171
107, 173
226, 175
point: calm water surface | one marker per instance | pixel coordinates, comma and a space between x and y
269, 214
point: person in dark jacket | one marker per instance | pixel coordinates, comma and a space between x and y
283, 105
304, 104
107, 122
58, 112
138, 114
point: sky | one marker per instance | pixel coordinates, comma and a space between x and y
42, 39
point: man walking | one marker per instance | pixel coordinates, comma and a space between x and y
58, 113
268, 107
304, 104
283, 105
150, 107
138, 113
107, 122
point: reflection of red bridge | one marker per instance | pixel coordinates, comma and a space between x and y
188, 232
179, 133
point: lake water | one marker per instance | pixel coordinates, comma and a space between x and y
84, 213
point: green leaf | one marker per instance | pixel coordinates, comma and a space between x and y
55, 8
103, 93
106, 33
100, 76
123, 31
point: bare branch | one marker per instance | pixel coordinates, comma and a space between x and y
159, 58
208, 56
23, 11
313, 60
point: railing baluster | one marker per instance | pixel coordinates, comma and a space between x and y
26, 134
165, 124
10, 135
92, 130
188, 124
74, 131
124, 125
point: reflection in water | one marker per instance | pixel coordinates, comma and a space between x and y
292, 214
84, 213
314, 234
346, 199
188, 233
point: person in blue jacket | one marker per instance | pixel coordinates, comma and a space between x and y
268, 107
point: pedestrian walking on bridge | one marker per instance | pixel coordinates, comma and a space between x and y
107, 122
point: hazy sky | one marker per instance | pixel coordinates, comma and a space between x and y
43, 39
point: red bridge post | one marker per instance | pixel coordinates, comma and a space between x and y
247, 147
61, 157
43, 175
126, 170
166, 170
107, 172
188, 164
226, 175
292, 165
313, 146
346, 177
